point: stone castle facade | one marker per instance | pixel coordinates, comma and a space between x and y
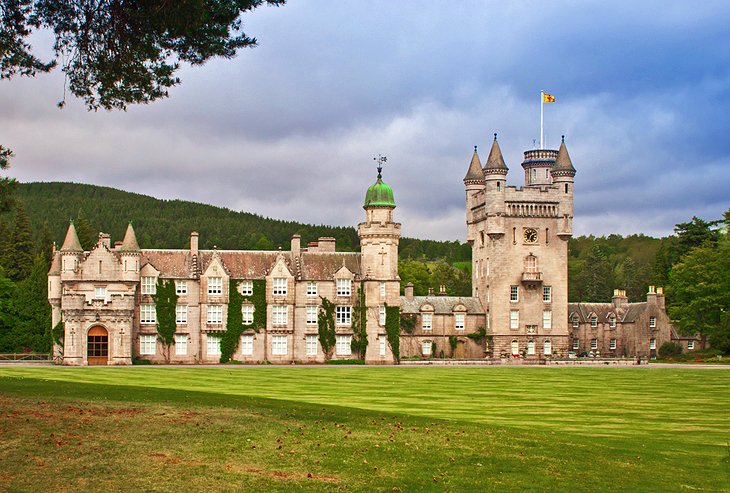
105, 299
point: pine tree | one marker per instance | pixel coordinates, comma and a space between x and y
85, 231
31, 330
21, 256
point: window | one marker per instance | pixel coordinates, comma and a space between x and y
147, 344
594, 344
147, 314
343, 315
214, 345
515, 346
382, 342
426, 321
311, 289
612, 321
576, 322
594, 321
343, 287
426, 347
99, 293
381, 315
690, 345
530, 347
181, 287
514, 293
652, 343
382, 289
514, 319
547, 294
343, 345
181, 314
311, 315
215, 314
652, 322
280, 315
531, 260
612, 344
459, 321
247, 314
247, 288
280, 286
576, 344
149, 285
215, 285
181, 344
279, 345
547, 347
247, 344
311, 345
547, 319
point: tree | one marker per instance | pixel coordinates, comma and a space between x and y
699, 290
120, 52
165, 304
21, 254
7, 185
326, 327
596, 276
85, 231
31, 330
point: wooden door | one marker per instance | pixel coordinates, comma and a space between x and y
97, 346
460, 351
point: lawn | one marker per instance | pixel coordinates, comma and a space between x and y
235, 428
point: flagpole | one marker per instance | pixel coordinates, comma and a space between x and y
542, 134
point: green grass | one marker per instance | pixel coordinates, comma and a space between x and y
239, 428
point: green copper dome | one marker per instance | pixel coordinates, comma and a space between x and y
379, 195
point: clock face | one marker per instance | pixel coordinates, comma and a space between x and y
530, 236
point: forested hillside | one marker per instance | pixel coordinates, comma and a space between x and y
168, 223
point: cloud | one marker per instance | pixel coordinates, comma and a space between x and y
289, 129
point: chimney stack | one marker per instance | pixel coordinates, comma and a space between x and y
409, 291
296, 244
442, 290
194, 243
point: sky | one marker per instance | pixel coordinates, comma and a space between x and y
289, 129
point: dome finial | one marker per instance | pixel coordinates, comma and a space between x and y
495, 136
380, 160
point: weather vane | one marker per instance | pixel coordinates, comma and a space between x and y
380, 160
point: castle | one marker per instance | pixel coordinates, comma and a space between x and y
106, 303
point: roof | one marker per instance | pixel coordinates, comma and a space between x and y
242, 264
129, 244
71, 243
563, 164
379, 195
55, 264
475, 172
495, 161
626, 313
441, 304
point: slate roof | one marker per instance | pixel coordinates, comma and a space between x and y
55, 265
495, 161
441, 304
71, 243
241, 264
563, 164
627, 313
475, 172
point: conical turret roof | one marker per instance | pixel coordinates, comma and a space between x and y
563, 164
495, 161
475, 172
71, 243
130, 241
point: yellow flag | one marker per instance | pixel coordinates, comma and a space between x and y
548, 98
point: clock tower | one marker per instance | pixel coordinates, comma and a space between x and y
519, 239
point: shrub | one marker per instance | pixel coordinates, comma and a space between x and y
669, 350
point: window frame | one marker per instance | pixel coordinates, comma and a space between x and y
344, 286
459, 321
246, 344
214, 314
181, 310
279, 345
311, 345
279, 286
514, 319
594, 344
547, 319
147, 314
215, 286
181, 288
547, 294
280, 315
311, 315
212, 341
181, 341
343, 345
147, 344
514, 294
312, 289
247, 314
427, 317
343, 315
246, 288
148, 285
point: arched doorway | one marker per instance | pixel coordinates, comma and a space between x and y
97, 346
460, 350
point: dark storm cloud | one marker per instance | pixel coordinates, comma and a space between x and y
289, 129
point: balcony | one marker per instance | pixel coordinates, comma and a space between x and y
532, 277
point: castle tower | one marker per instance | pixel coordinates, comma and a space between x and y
379, 236
130, 254
519, 253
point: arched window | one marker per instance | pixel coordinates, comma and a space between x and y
531, 263
547, 347
530, 347
515, 347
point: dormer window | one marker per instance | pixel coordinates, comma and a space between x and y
344, 287
576, 322
612, 321
149, 285
594, 321
652, 322
280, 286
215, 285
